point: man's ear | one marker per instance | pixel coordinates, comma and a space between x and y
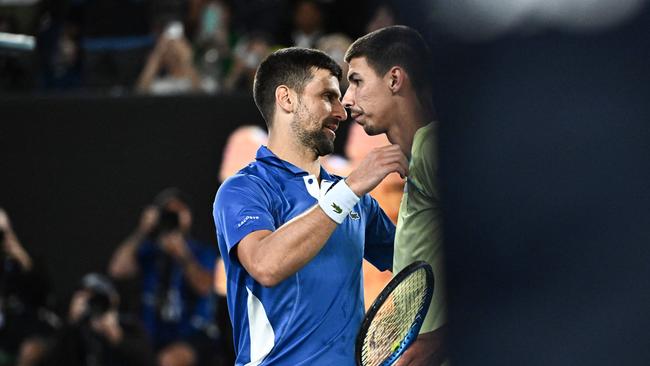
395, 78
284, 98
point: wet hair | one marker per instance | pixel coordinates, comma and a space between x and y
396, 46
293, 67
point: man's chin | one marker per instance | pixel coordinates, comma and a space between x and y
370, 130
325, 148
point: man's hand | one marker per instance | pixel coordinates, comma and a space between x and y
78, 306
10, 244
108, 326
375, 167
174, 244
427, 350
148, 220
5, 224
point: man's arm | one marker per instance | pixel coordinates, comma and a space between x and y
10, 244
272, 256
124, 262
429, 349
198, 277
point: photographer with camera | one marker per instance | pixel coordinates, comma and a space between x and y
25, 321
95, 334
175, 274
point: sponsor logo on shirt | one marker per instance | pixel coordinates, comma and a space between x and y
354, 215
246, 219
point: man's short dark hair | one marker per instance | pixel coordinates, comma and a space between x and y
292, 67
396, 46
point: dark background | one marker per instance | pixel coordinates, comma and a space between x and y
545, 181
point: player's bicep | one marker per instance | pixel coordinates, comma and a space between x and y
248, 250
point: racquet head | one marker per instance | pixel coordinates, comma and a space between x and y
393, 321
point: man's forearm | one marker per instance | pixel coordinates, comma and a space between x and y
271, 257
198, 277
123, 263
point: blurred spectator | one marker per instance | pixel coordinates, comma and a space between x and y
95, 334
240, 149
25, 322
249, 53
335, 45
60, 56
169, 68
176, 275
213, 41
308, 24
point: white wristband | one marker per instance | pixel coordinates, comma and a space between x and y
338, 201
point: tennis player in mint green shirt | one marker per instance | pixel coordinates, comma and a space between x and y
390, 92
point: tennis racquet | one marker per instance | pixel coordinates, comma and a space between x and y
393, 321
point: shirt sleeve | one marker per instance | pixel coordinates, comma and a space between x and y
380, 234
241, 207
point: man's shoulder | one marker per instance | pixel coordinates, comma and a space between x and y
252, 174
427, 134
424, 149
252, 182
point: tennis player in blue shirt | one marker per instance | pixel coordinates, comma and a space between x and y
292, 235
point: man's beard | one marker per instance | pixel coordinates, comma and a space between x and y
315, 140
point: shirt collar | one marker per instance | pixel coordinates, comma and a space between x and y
266, 156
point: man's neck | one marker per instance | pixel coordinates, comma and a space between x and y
295, 154
411, 118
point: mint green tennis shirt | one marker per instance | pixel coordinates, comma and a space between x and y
419, 235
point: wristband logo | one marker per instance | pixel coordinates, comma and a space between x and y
336, 208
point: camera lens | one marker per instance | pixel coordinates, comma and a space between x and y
168, 221
98, 304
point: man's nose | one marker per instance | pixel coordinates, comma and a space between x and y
348, 100
339, 111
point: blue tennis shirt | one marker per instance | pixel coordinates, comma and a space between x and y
312, 317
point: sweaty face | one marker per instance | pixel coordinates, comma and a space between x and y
318, 113
368, 97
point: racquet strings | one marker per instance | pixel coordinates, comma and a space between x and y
394, 318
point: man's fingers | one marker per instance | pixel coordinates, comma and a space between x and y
404, 360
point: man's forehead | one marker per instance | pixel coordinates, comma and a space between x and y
358, 65
323, 79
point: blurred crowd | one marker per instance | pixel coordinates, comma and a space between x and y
164, 47
161, 300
